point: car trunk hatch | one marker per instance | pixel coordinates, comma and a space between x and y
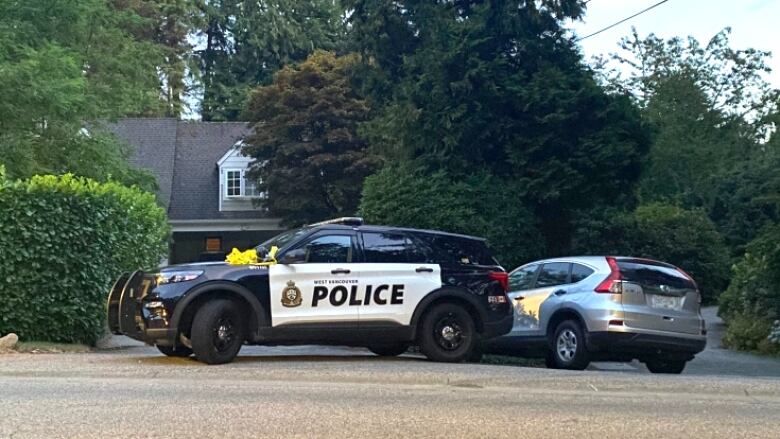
658, 297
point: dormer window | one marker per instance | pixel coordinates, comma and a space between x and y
238, 185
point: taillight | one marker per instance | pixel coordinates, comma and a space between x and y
502, 278
611, 284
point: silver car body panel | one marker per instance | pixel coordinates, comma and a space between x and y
535, 307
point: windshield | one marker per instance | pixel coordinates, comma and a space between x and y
282, 239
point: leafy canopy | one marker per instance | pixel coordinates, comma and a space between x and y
310, 161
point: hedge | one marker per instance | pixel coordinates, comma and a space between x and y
63, 241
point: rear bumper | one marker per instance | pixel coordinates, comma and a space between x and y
644, 343
497, 328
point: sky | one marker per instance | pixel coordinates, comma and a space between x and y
754, 24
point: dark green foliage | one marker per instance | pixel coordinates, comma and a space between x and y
64, 65
407, 195
248, 41
63, 241
748, 333
685, 238
497, 86
310, 160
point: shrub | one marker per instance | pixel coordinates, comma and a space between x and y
748, 333
63, 240
685, 238
407, 195
754, 294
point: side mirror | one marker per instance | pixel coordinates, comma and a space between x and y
294, 256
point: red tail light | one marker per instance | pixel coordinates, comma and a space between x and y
611, 284
502, 277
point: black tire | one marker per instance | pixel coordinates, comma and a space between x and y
178, 351
567, 347
447, 333
660, 365
389, 350
218, 332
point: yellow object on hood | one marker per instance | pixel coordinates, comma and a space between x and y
249, 257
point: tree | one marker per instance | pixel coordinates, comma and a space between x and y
310, 161
65, 65
710, 109
248, 41
499, 86
408, 195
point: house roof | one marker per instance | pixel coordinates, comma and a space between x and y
183, 155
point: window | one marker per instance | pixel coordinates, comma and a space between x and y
329, 249
213, 244
579, 272
237, 184
552, 274
233, 183
650, 274
523, 279
453, 249
391, 248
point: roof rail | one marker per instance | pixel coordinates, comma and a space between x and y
345, 220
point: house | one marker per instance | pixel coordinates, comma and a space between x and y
202, 181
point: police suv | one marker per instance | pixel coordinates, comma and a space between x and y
338, 282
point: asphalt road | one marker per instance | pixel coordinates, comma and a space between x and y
338, 392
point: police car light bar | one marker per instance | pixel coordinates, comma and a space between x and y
346, 220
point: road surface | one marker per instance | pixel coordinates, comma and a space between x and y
344, 393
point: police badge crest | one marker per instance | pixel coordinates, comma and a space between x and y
291, 295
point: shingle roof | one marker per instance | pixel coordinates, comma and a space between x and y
183, 155
153, 144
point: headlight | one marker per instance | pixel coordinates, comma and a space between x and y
172, 277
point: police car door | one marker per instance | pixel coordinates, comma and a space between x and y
394, 277
317, 288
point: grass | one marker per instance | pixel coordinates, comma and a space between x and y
45, 347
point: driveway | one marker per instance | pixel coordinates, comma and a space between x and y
339, 392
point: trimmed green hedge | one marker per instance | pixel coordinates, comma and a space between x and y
63, 241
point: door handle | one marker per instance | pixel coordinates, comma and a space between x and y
519, 297
424, 270
560, 292
340, 271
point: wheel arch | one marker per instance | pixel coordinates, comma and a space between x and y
449, 295
185, 310
562, 315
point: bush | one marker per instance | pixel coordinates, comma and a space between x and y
749, 333
406, 195
685, 238
754, 294
63, 240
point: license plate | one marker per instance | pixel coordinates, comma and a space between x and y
666, 302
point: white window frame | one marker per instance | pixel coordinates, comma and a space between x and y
242, 185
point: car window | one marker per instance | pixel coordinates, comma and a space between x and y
579, 272
522, 279
464, 251
329, 249
554, 273
382, 247
649, 274
281, 240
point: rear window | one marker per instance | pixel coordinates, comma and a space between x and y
460, 250
651, 274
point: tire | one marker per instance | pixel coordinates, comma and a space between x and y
660, 365
178, 351
218, 332
447, 333
389, 350
567, 347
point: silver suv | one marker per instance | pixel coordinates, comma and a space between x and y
600, 308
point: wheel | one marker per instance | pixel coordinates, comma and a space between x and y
660, 365
447, 333
568, 349
218, 332
389, 350
178, 351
